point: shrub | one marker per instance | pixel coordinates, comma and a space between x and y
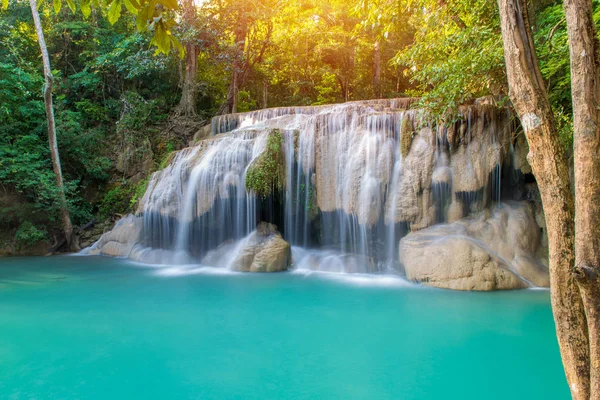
28, 234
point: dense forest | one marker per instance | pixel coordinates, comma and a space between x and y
123, 106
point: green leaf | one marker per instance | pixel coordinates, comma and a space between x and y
161, 38
131, 6
114, 11
5, 4
71, 5
85, 8
140, 22
57, 5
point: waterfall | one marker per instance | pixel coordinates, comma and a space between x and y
358, 177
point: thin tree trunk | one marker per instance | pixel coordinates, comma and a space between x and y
239, 67
189, 88
64, 210
377, 70
585, 89
549, 164
234, 84
265, 93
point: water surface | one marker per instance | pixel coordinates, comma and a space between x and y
101, 328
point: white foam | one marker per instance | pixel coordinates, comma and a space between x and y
196, 270
358, 279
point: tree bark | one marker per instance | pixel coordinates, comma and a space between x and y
265, 94
585, 89
64, 209
189, 88
377, 70
189, 91
549, 165
234, 87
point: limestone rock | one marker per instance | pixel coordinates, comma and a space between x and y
412, 200
264, 250
202, 133
120, 240
520, 151
135, 160
491, 251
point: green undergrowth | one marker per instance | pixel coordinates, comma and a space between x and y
122, 198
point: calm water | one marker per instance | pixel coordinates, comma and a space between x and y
99, 328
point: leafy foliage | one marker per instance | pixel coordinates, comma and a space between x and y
457, 52
552, 47
29, 233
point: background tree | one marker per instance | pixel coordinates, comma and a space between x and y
189, 90
64, 210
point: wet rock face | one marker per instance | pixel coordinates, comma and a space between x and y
264, 250
493, 250
119, 242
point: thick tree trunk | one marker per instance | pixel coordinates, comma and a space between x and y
64, 210
550, 168
585, 88
189, 92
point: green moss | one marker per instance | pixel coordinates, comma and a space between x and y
266, 174
406, 136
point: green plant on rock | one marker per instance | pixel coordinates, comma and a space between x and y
166, 159
138, 193
266, 174
116, 200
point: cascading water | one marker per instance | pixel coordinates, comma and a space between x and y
358, 177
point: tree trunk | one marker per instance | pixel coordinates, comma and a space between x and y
239, 66
265, 94
64, 210
189, 92
234, 87
585, 89
549, 164
189, 88
377, 70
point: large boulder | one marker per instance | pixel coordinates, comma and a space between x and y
264, 250
493, 250
120, 240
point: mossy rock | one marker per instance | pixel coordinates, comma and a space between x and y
266, 174
407, 133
